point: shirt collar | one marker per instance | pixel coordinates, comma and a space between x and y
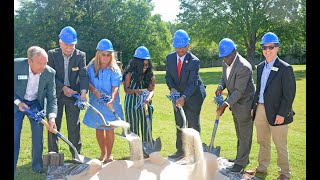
31, 73
182, 58
235, 57
270, 64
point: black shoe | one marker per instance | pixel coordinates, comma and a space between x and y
40, 172
236, 168
176, 155
231, 160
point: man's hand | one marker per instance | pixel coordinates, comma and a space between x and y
221, 108
52, 124
67, 91
279, 119
21, 105
218, 91
83, 95
180, 101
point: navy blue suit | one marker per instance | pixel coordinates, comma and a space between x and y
190, 85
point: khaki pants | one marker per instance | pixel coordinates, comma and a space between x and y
279, 136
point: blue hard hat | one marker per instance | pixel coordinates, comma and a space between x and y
68, 35
142, 53
226, 46
104, 45
180, 39
269, 37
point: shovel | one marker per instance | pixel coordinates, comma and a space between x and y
211, 148
38, 117
105, 124
104, 99
151, 146
119, 122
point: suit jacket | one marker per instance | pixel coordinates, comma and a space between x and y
78, 76
239, 85
46, 90
190, 83
279, 92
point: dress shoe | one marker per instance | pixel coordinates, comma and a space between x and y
283, 177
236, 168
256, 172
40, 172
177, 155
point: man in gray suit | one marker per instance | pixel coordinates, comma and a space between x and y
71, 77
237, 78
34, 81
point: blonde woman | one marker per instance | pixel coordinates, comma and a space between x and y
104, 77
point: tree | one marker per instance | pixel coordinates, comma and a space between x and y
243, 21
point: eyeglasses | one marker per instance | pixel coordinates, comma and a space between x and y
268, 47
105, 54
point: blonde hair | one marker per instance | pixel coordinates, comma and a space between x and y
96, 62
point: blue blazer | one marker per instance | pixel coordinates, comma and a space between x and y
46, 90
279, 92
190, 83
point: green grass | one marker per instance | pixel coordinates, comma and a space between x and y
164, 127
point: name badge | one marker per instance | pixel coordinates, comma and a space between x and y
22, 77
75, 69
274, 69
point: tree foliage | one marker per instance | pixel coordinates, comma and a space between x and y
243, 21
128, 24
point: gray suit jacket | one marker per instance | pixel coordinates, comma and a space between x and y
239, 85
78, 76
46, 90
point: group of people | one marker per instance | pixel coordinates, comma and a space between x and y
47, 80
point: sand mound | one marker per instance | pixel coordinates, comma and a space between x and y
154, 168
200, 165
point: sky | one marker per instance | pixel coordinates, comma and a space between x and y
168, 9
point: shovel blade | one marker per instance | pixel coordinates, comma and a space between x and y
80, 159
215, 151
149, 147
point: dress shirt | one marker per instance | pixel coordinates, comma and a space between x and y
264, 78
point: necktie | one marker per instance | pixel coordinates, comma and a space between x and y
179, 67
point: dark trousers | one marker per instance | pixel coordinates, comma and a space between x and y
244, 128
36, 137
193, 121
73, 124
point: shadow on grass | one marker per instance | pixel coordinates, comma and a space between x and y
214, 77
207, 78
25, 172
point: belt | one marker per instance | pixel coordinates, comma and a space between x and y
28, 100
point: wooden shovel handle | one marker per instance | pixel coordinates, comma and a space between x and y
54, 131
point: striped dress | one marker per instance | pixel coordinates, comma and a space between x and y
137, 118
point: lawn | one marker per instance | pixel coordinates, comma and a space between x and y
164, 127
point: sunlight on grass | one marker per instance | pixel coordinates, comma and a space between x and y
164, 127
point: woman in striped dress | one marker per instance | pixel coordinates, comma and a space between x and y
138, 76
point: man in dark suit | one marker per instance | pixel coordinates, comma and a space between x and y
237, 79
272, 106
34, 82
71, 77
182, 75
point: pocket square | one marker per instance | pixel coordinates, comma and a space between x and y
274, 69
75, 69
